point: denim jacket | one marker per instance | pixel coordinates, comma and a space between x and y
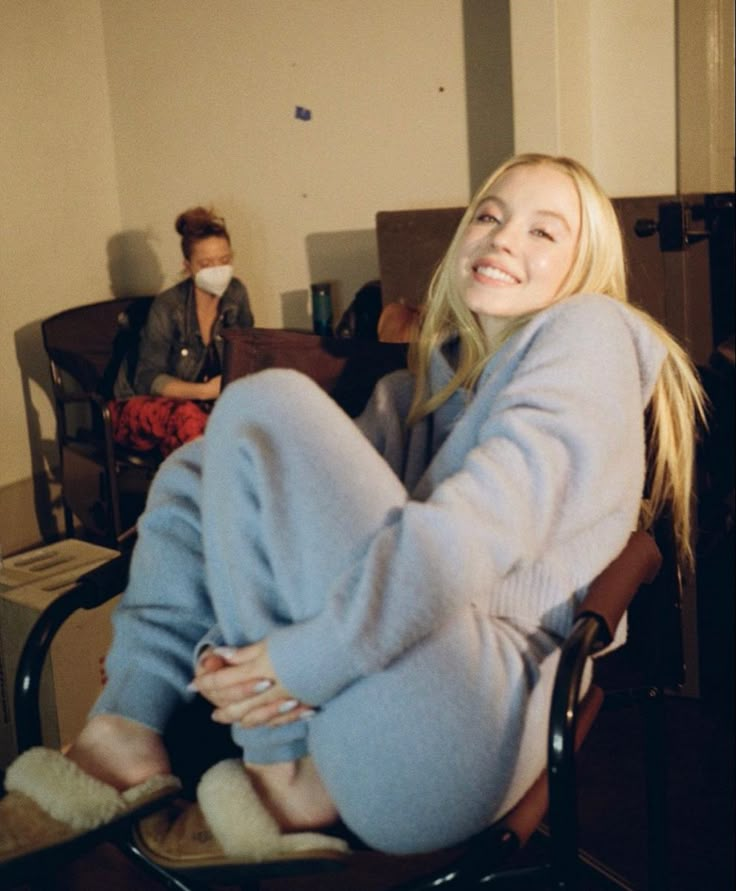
171, 344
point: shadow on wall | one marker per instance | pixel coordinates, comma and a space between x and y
295, 310
133, 265
347, 260
34, 369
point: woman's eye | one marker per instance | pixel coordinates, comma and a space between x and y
542, 233
487, 217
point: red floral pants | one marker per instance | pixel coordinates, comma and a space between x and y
145, 423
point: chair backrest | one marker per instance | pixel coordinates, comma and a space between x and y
654, 653
89, 342
655, 639
347, 368
411, 243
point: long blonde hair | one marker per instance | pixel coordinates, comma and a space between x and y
598, 266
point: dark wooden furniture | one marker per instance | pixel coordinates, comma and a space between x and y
103, 485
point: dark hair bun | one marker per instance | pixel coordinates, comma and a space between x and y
197, 223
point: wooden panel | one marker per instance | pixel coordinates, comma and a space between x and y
674, 286
346, 368
410, 245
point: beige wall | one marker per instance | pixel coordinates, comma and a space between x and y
59, 207
705, 88
119, 114
595, 79
125, 113
204, 111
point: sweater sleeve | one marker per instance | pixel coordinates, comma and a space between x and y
383, 419
532, 494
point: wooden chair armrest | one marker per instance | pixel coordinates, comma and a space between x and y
611, 593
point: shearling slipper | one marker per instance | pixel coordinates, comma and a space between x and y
228, 827
52, 805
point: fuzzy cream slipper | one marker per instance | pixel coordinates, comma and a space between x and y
51, 803
229, 826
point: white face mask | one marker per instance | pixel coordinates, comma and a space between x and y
214, 279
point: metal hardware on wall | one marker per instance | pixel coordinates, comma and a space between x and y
674, 226
680, 225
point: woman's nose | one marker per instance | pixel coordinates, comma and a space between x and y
502, 240
502, 237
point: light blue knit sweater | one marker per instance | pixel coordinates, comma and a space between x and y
532, 488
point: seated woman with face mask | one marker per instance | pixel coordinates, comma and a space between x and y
178, 373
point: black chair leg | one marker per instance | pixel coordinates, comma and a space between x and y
655, 759
92, 589
30, 668
68, 521
563, 805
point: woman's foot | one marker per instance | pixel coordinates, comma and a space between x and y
294, 794
120, 752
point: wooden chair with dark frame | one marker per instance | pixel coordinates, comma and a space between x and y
103, 485
493, 855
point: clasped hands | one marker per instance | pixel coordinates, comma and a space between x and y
242, 685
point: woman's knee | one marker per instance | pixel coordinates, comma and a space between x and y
274, 396
419, 755
419, 808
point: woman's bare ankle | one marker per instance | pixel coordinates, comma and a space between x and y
294, 794
119, 751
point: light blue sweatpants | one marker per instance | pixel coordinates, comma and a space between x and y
245, 529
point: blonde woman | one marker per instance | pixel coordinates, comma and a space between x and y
377, 614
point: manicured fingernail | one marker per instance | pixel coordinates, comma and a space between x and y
262, 686
309, 713
225, 652
288, 706
192, 687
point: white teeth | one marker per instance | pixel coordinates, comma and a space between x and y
497, 274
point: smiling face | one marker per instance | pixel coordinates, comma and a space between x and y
520, 243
